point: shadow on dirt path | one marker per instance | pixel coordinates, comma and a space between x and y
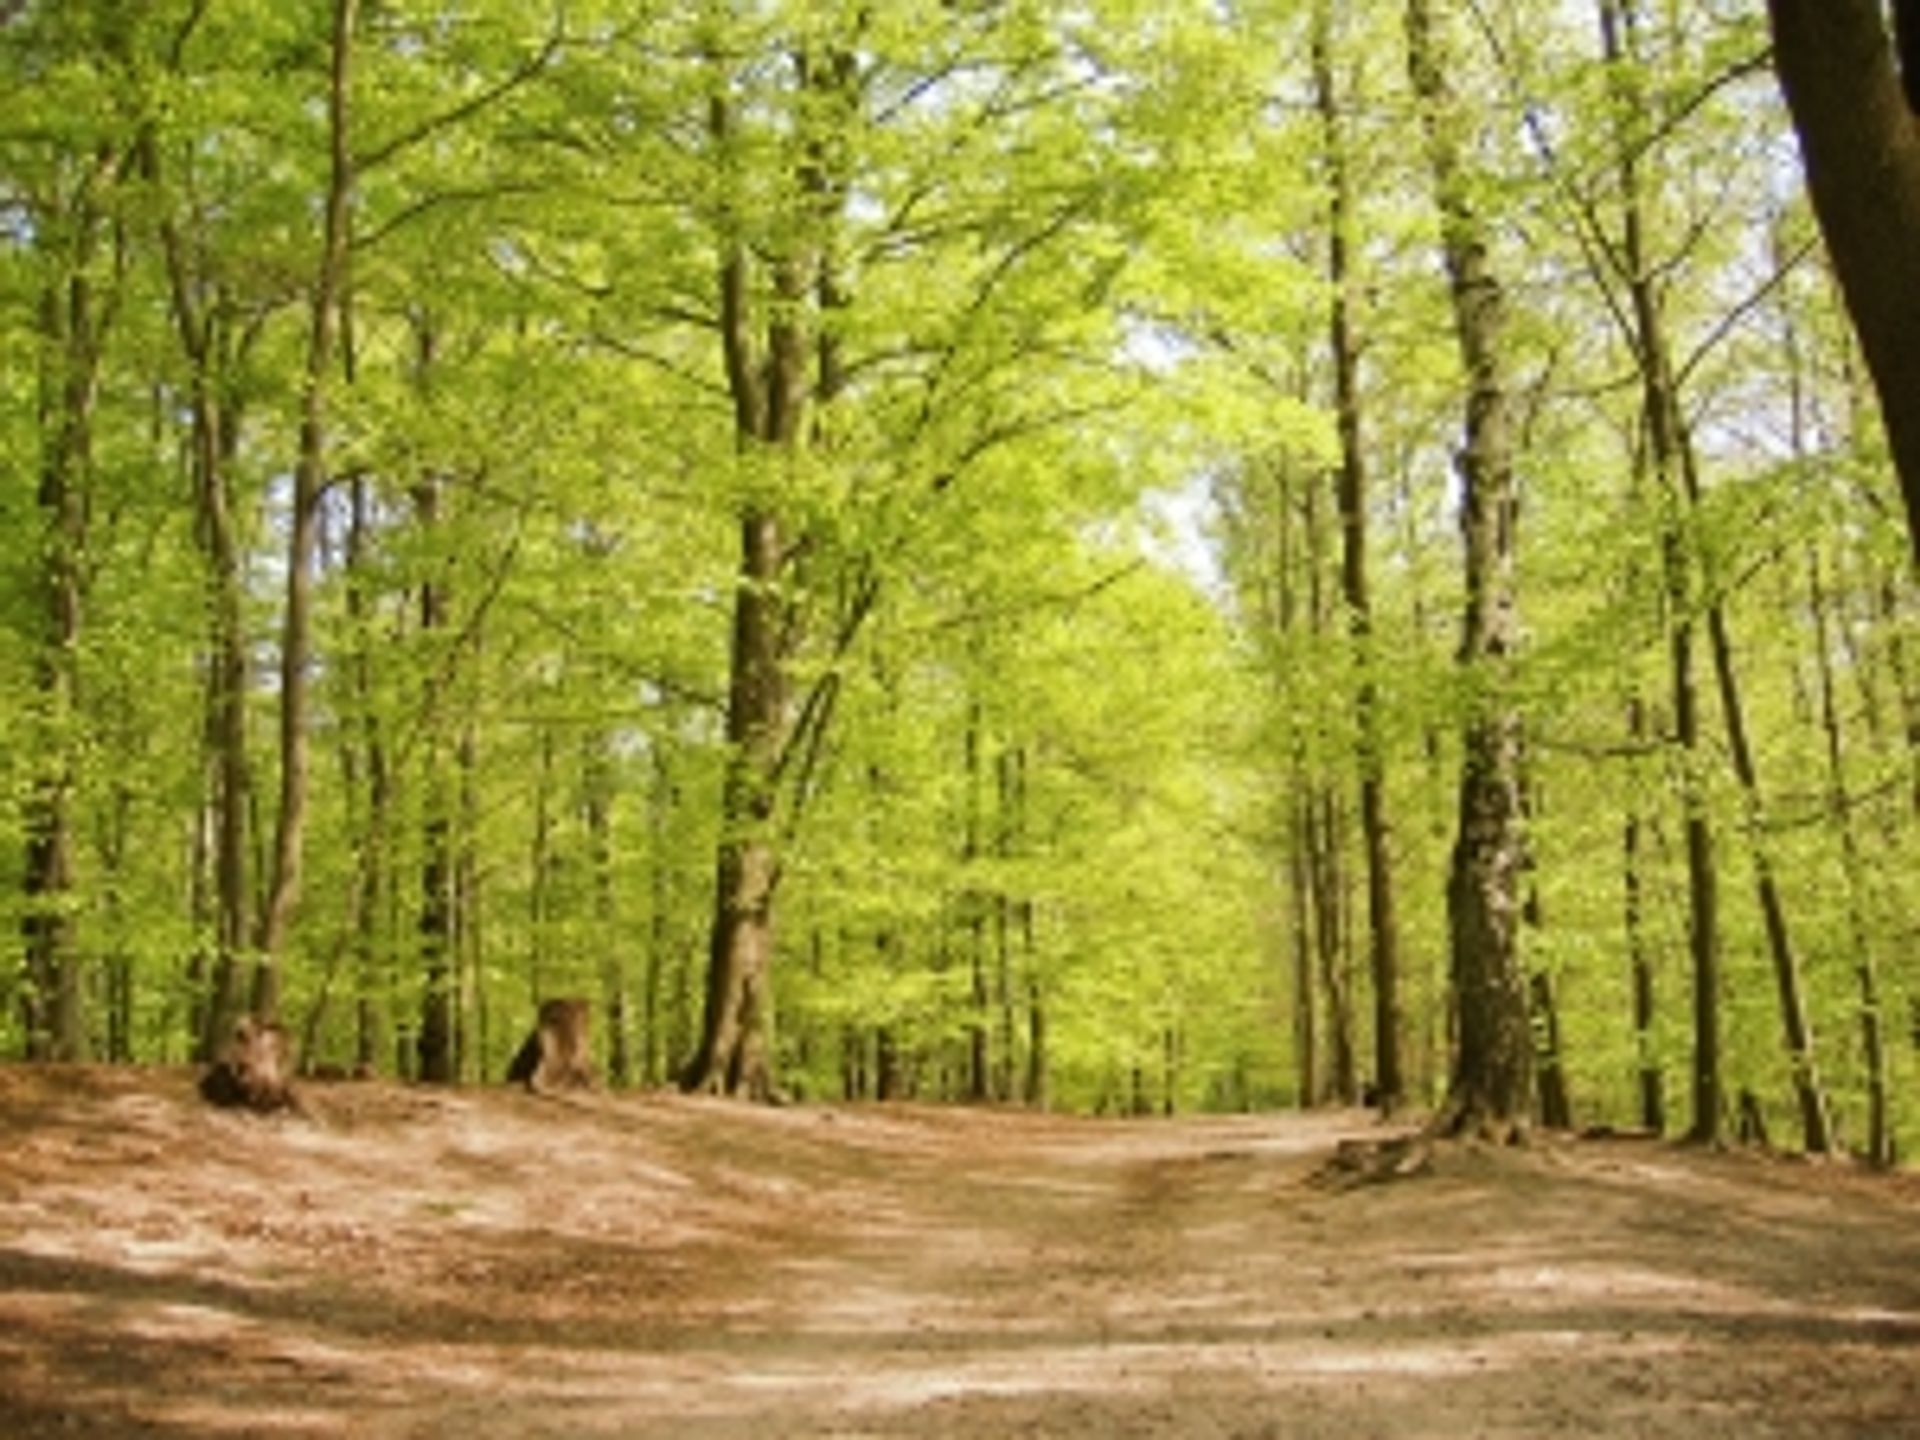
489, 1264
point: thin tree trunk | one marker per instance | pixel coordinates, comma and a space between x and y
309, 474
973, 902
372, 880
1492, 1085
1376, 830
1880, 1149
469, 939
661, 800
1011, 776
1039, 1087
1556, 1104
1330, 936
607, 932
1305, 994
1300, 835
1652, 1083
435, 927
1667, 450
1815, 1129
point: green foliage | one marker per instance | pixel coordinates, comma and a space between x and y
1053, 743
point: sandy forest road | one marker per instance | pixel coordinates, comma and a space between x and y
415, 1264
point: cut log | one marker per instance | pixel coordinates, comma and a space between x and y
555, 1055
253, 1071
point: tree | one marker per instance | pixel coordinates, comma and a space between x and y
326, 299
1492, 1085
1353, 495
1861, 148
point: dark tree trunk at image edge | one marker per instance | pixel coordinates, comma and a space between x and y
1861, 143
1492, 1084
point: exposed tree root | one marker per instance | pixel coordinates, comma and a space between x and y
1374, 1162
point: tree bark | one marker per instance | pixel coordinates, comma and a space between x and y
1492, 1085
1861, 147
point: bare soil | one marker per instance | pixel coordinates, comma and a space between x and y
413, 1263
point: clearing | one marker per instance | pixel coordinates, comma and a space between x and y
490, 1264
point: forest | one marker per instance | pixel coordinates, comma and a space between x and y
1129, 556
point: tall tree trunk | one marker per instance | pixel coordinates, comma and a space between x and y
1667, 450
1039, 1085
72, 321
1300, 827
1330, 931
469, 939
368, 775
1676, 461
600, 791
214, 420
1880, 1148
1375, 828
1011, 777
1492, 1085
1556, 1102
735, 1053
215, 436
437, 1047
778, 373
973, 901
1306, 1027
309, 474
1815, 1130
662, 799
1861, 145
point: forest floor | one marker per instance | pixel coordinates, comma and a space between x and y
491, 1264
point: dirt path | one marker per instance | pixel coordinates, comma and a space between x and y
491, 1265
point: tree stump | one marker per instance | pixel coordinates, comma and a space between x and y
253, 1071
555, 1055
